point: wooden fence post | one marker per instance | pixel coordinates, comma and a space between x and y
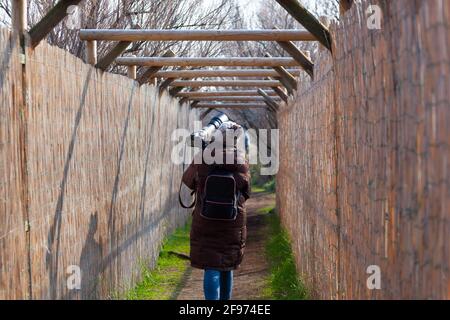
91, 52
20, 107
19, 16
131, 72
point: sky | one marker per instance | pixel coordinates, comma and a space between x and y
250, 7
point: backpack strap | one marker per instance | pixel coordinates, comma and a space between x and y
193, 193
181, 184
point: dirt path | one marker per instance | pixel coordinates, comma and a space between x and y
250, 279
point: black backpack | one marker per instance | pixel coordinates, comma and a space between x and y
220, 196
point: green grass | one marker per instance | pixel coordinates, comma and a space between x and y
266, 210
164, 281
284, 282
269, 186
258, 189
261, 183
266, 187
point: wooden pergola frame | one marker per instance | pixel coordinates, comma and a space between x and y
235, 98
276, 78
231, 93
226, 83
229, 105
207, 62
275, 74
223, 73
132, 35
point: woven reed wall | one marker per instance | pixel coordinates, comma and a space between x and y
100, 188
13, 242
364, 177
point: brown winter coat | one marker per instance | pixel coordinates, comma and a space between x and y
217, 245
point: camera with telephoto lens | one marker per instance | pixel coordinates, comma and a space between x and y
203, 137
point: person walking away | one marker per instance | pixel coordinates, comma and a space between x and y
218, 232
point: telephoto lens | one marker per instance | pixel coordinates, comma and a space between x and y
203, 137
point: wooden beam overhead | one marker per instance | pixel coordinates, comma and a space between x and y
303, 60
280, 93
229, 105
232, 93
233, 98
285, 77
308, 20
223, 83
285, 84
301, 57
269, 100
271, 107
195, 35
109, 58
50, 20
223, 73
176, 90
200, 62
149, 74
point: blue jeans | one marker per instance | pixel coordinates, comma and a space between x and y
217, 285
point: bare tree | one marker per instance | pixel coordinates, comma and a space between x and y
271, 15
141, 14
179, 14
